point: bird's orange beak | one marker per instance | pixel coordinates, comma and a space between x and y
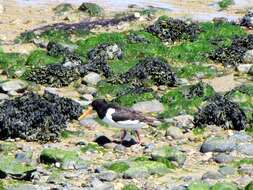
86, 113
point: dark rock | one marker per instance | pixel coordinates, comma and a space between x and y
171, 30
247, 20
195, 90
156, 69
234, 54
35, 117
222, 112
218, 144
135, 38
57, 49
105, 52
102, 140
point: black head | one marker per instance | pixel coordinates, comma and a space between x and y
100, 106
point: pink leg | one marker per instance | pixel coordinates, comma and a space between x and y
138, 136
123, 135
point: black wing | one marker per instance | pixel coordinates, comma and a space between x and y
123, 114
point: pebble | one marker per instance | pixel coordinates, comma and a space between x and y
149, 106
244, 68
212, 175
248, 57
246, 149
3, 96
223, 158
13, 86
92, 79
174, 132
108, 176
246, 169
227, 170
218, 144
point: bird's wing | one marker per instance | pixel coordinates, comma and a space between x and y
124, 114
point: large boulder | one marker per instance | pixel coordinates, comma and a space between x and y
218, 144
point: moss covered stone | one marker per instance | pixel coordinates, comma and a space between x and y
62, 8
130, 187
198, 185
92, 9
10, 166
67, 159
92, 147
119, 166
168, 153
224, 186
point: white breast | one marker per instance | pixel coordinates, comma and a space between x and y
127, 124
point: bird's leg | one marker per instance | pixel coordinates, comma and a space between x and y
123, 135
138, 136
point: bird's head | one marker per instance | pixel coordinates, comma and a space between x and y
99, 105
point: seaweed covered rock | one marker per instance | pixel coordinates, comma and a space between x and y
58, 75
105, 52
135, 38
34, 117
234, 54
197, 90
171, 30
247, 20
156, 69
57, 49
92, 9
222, 112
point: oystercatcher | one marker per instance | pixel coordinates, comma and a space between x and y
120, 117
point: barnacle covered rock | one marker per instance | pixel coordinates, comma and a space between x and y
247, 20
135, 38
171, 29
222, 112
156, 69
105, 51
34, 117
234, 54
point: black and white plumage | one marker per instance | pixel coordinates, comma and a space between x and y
120, 117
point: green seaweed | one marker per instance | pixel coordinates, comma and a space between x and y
92, 9
224, 4
199, 49
92, 147
130, 187
118, 167
176, 103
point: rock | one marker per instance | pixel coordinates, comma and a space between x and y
212, 175
227, 170
137, 15
24, 157
246, 169
241, 137
174, 132
107, 176
248, 56
249, 186
89, 122
223, 158
168, 153
9, 166
218, 144
63, 8
183, 121
67, 159
87, 90
247, 20
221, 111
3, 96
245, 149
198, 185
224, 186
92, 9
92, 79
244, 68
23, 187
13, 85
149, 106
96, 184
102, 140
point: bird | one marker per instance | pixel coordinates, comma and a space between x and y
120, 117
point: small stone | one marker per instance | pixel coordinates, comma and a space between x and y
246, 149
241, 137
137, 15
149, 106
108, 176
3, 96
212, 175
227, 170
13, 86
218, 144
244, 68
183, 121
246, 169
248, 57
92, 79
174, 132
223, 158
